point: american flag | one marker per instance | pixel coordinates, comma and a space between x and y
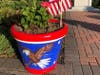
57, 7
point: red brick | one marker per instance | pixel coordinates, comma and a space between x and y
98, 44
68, 69
87, 69
85, 42
97, 35
82, 52
95, 68
93, 35
77, 69
76, 32
98, 60
84, 61
92, 60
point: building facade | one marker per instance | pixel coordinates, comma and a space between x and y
82, 5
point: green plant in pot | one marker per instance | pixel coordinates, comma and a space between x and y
38, 36
33, 18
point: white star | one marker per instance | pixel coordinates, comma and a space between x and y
59, 42
54, 62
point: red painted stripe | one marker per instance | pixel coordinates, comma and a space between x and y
70, 3
63, 6
40, 37
56, 8
35, 71
54, 4
59, 7
49, 9
66, 4
53, 9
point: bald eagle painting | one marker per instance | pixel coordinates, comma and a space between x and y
35, 58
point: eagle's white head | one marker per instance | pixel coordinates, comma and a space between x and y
27, 52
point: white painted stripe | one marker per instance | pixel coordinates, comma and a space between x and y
68, 3
52, 5
50, 11
56, 5
65, 5
44, 42
61, 6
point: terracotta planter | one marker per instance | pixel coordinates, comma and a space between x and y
40, 51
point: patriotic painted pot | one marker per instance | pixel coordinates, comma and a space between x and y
39, 52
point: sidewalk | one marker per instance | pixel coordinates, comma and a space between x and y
82, 48
83, 43
15, 67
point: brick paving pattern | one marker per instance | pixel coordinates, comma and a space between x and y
82, 48
85, 48
15, 67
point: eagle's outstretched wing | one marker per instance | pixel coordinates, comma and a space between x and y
43, 63
35, 57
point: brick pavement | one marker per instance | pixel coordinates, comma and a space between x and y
85, 43
82, 48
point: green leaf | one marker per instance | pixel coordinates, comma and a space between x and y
26, 26
22, 21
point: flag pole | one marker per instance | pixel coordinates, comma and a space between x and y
61, 15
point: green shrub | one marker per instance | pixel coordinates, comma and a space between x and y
24, 13
33, 14
96, 3
6, 49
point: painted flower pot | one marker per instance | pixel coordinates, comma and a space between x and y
39, 52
